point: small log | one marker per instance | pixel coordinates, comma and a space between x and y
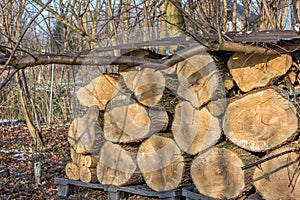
162, 164
72, 171
77, 158
278, 178
198, 79
117, 165
217, 174
99, 91
90, 161
147, 84
260, 121
127, 121
85, 133
88, 175
194, 130
252, 71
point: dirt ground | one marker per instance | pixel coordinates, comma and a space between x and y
18, 154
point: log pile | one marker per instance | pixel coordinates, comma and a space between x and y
196, 122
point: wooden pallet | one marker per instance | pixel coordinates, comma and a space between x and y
66, 188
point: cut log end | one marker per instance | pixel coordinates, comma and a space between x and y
194, 130
161, 163
260, 121
253, 71
217, 173
117, 166
72, 171
279, 177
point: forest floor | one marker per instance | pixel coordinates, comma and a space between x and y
18, 154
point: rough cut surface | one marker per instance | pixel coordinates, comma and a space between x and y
98, 92
85, 132
116, 166
194, 130
217, 173
161, 163
252, 71
127, 121
260, 121
198, 79
278, 178
72, 171
147, 84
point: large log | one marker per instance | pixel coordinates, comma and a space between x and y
127, 121
99, 91
252, 71
162, 164
198, 79
217, 173
260, 121
85, 133
72, 171
117, 165
194, 130
278, 178
148, 85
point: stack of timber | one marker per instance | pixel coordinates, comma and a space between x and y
197, 122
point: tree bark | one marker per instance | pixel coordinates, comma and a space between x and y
260, 121
162, 164
194, 130
253, 71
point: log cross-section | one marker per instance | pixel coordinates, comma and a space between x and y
260, 121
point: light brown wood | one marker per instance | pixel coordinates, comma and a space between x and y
85, 133
252, 71
78, 159
127, 121
198, 79
72, 171
260, 121
90, 161
278, 178
194, 130
148, 86
161, 163
117, 166
88, 175
217, 173
99, 91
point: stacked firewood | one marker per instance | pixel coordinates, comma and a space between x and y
192, 123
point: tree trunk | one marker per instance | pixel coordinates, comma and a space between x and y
278, 178
127, 121
117, 165
198, 79
88, 175
217, 173
99, 91
253, 71
260, 121
85, 133
72, 171
162, 164
195, 130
